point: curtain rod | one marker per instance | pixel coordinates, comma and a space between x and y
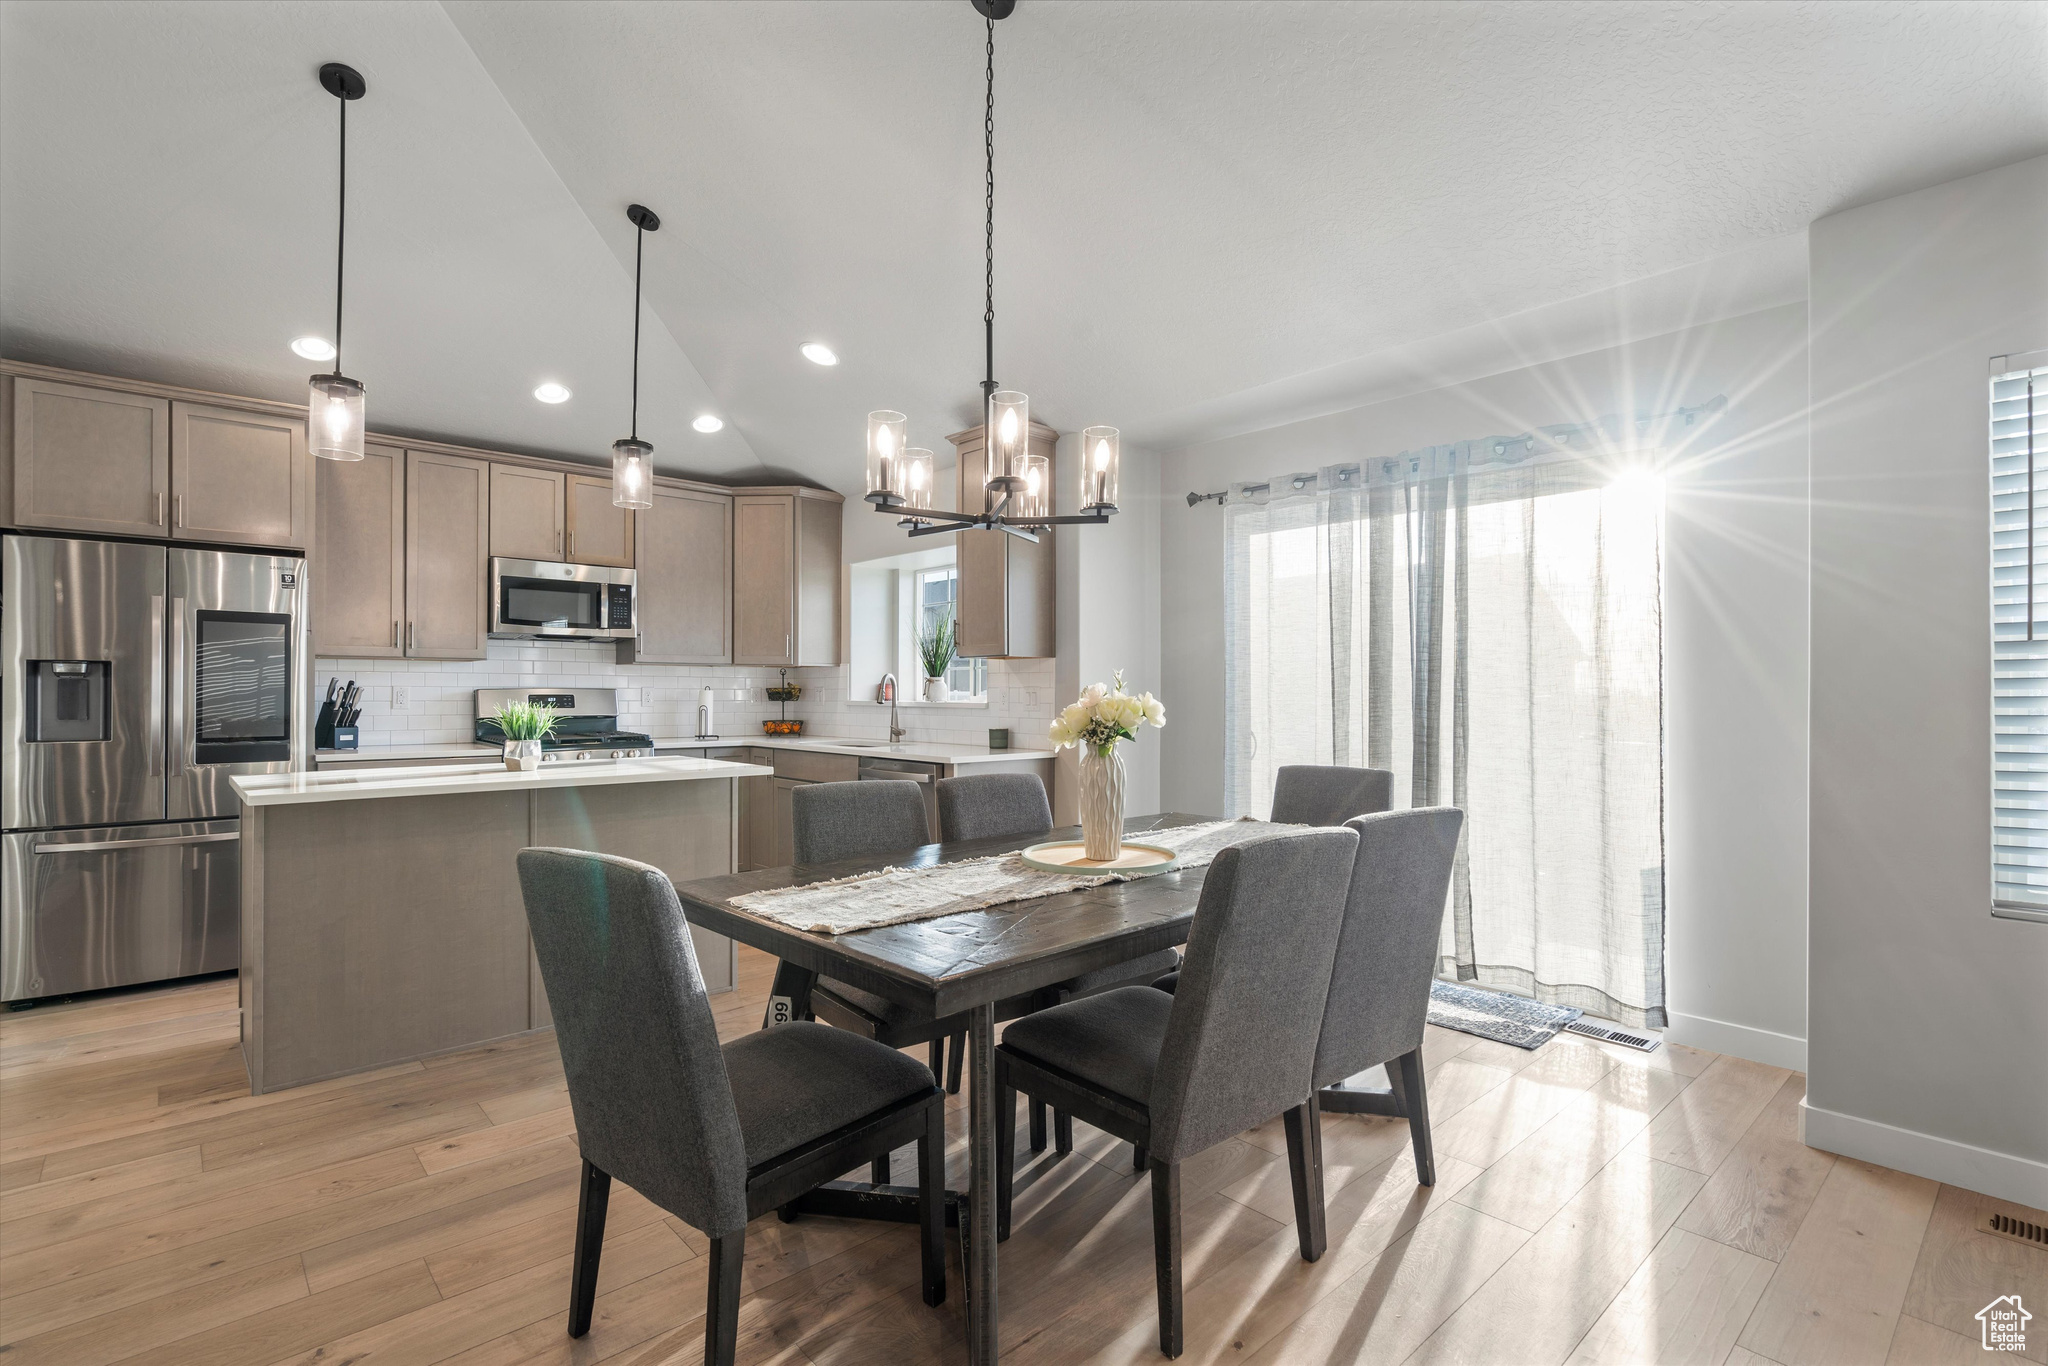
1507, 450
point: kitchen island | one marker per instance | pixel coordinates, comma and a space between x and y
381, 915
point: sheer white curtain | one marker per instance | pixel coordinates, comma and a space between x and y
1484, 620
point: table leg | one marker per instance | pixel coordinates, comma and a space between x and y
790, 998
982, 1119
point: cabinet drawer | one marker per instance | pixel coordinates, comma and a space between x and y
815, 768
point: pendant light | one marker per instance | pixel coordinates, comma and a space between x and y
334, 402
1019, 497
632, 458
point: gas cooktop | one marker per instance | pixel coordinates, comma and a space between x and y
586, 723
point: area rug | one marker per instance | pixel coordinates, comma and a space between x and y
1496, 1015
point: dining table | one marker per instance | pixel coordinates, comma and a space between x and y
963, 962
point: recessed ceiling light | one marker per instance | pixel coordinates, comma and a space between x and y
314, 348
551, 392
819, 354
708, 422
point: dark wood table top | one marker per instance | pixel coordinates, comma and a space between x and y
949, 963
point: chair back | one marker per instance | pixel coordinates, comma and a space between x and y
1387, 950
857, 820
647, 1082
1326, 794
1241, 1039
993, 806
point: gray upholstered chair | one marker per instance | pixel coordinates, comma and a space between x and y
1386, 959
1326, 794
988, 806
1320, 794
715, 1136
1178, 1074
835, 821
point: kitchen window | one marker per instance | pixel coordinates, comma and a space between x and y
2019, 642
934, 593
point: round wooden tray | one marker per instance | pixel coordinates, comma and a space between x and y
1066, 856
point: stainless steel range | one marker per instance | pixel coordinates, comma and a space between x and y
587, 727
134, 680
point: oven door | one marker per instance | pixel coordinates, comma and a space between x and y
540, 598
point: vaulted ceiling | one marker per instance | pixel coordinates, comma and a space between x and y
1208, 214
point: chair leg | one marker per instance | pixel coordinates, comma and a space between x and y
955, 1063
931, 1203
878, 1170
1166, 1252
1405, 1072
1305, 1166
1037, 1125
722, 1300
1138, 1158
594, 1195
1006, 1155
1062, 1132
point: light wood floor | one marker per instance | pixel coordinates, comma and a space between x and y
1592, 1206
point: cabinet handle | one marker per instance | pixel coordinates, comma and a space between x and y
412, 635
178, 512
157, 516
572, 543
558, 540
394, 633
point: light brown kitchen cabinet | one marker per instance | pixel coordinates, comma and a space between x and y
599, 533
1006, 584
358, 556
528, 513
683, 578
89, 459
447, 555
785, 577
240, 478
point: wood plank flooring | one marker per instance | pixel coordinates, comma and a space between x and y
1593, 1205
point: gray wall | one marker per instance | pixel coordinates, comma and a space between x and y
1735, 635
1930, 1018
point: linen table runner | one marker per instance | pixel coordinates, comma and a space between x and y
896, 896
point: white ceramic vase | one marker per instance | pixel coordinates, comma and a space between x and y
522, 756
1102, 802
935, 690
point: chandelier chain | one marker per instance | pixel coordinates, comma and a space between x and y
988, 133
639, 246
340, 232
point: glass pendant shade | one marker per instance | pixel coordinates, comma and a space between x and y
885, 457
917, 478
334, 417
1008, 438
1035, 498
1100, 458
632, 474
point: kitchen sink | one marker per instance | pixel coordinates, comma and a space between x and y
861, 744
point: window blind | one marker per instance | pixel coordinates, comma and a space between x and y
2019, 616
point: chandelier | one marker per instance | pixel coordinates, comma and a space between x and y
1017, 492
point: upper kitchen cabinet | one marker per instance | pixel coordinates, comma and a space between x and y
447, 556
599, 533
528, 513
683, 548
1006, 583
89, 459
240, 478
785, 576
358, 558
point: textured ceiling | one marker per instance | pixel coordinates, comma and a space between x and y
1210, 216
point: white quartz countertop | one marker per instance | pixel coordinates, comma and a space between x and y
916, 751
357, 784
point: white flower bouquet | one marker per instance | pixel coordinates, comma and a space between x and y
1102, 716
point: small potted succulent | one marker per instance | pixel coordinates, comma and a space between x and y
524, 725
935, 649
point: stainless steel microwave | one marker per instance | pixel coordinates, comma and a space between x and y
539, 598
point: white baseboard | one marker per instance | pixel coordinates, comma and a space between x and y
2019, 1179
1743, 1041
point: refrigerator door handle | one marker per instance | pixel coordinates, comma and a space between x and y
175, 765
156, 685
116, 846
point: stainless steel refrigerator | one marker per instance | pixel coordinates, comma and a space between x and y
137, 679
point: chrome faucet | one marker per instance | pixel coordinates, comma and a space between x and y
887, 692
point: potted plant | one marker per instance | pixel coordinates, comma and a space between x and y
1101, 717
523, 725
935, 652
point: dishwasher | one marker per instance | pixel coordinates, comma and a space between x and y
903, 770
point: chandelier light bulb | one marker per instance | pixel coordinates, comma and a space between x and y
1104, 449
885, 457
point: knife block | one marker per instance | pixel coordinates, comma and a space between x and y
327, 735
